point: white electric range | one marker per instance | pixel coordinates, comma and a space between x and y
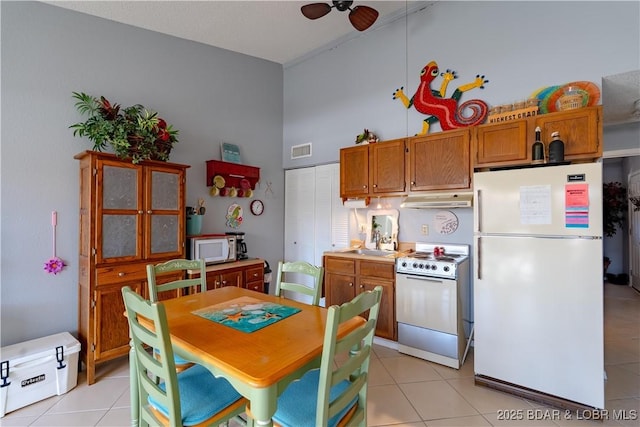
432, 291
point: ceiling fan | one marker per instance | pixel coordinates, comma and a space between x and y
361, 17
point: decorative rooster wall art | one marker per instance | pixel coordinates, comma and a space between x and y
446, 110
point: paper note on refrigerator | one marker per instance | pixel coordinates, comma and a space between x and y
576, 205
535, 204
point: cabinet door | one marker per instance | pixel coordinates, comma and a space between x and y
340, 288
331, 217
164, 217
387, 167
231, 278
354, 171
386, 325
580, 130
501, 143
119, 212
440, 161
111, 327
299, 214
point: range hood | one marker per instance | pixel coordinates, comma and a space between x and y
438, 201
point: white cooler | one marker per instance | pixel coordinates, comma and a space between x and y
34, 370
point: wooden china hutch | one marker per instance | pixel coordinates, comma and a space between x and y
130, 215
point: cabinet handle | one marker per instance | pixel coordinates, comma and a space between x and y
375, 185
413, 183
361, 286
140, 212
364, 187
224, 282
149, 212
255, 274
350, 284
121, 274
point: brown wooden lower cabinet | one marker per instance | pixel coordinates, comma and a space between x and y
247, 274
346, 277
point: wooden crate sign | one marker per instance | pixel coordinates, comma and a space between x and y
513, 115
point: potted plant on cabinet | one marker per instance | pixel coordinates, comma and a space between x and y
133, 132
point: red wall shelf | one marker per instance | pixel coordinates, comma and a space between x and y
232, 173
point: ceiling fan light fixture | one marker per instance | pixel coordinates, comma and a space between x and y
315, 10
362, 17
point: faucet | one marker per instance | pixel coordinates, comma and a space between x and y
376, 238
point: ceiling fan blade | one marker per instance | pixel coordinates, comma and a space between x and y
315, 10
362, 17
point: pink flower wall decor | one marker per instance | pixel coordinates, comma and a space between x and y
54, 265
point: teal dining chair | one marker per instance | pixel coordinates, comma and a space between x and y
303, 268
179, 286
193, 397
335, 394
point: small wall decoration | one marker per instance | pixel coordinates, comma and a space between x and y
234, 215
54, 265
230, 153
446, 222
442, 109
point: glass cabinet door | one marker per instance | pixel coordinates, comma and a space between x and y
164, 216
119, 212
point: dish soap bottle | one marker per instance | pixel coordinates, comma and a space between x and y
556, 149
537, 149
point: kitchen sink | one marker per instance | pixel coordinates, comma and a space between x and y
370, 252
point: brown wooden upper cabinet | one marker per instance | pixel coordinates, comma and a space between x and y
509, 143
373, 169
440, 161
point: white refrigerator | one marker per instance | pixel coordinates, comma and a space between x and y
538, 281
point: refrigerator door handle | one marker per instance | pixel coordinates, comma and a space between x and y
479, 269
479, 210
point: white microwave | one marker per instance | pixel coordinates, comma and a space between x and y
212, 249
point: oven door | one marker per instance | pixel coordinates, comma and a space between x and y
427, 302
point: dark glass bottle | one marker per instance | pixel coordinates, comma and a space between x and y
537, 149
556, 148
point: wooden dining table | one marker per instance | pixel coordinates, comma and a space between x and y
259, 364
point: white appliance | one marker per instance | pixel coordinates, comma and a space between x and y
212, 248
432, 290
538, 288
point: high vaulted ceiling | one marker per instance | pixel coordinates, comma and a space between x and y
267, 29
277, 31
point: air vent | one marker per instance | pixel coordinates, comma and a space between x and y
302, 150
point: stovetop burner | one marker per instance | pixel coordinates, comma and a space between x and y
431, 256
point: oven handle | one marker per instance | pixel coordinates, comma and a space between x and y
422, 278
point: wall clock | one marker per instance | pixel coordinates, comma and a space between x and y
257, 207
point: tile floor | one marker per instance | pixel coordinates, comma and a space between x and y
403, 391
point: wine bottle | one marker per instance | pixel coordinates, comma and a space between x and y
537, 149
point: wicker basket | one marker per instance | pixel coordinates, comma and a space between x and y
570, 101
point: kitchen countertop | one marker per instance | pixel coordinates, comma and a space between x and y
344, 253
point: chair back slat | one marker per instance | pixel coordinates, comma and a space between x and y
198, 284
295, 268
